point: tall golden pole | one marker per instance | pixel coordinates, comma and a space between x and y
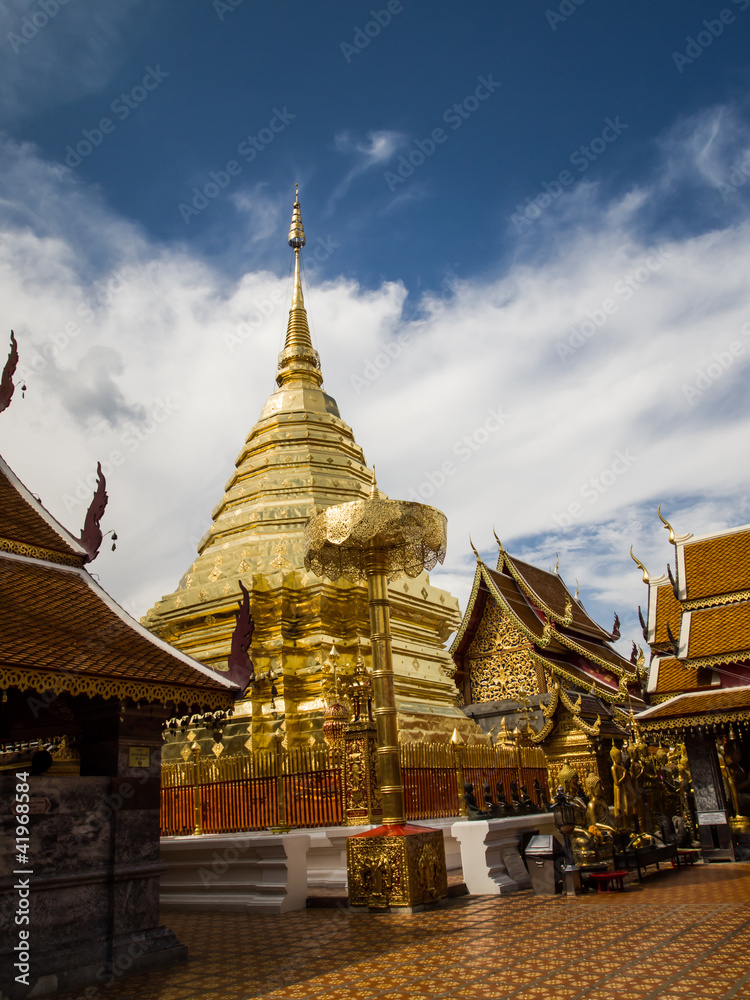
392, 789
397, 864
197, 804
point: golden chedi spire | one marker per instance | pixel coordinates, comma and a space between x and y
298, 362
299, 458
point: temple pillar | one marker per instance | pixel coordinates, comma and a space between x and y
710, 804
362, 799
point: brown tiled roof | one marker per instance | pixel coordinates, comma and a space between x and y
25, 522
719, 565
60, 630
714, 631
552, 591
675, 676
668, 612
700, 703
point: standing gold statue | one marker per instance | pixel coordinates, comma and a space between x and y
624, 793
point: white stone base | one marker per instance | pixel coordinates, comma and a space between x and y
273, 873
326, 857
253, 872
492, 864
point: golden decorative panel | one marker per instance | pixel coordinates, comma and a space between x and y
402, 869
37, 552
499, 659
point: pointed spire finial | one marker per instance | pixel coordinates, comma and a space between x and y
298, 361
557, 563
375, 492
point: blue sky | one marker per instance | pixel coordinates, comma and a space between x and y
537, 213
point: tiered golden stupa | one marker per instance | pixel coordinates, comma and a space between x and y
299, 458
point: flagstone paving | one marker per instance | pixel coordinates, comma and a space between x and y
681, 934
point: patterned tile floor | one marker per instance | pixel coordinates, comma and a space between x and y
677, 936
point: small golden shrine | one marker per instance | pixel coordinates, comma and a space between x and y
530, 658
299, 458
698, 628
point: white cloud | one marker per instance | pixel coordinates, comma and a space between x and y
377, 147
473, 405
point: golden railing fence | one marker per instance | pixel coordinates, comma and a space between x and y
304, 787
434, 775
243, 792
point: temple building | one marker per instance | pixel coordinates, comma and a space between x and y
301, 457
529, 659
698, 628
85, 694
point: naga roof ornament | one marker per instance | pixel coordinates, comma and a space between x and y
7, 386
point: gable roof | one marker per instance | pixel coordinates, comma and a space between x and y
566, 652
27, 528
60, 631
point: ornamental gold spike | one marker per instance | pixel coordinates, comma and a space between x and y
640, 565
667, 525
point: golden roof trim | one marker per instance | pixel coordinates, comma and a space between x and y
112, 687
612, 668
469, 609
613, 697
705, 719
699, 603
565, 619
38, 552
720, 660
547, 630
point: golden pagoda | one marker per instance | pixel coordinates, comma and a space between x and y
299, 458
